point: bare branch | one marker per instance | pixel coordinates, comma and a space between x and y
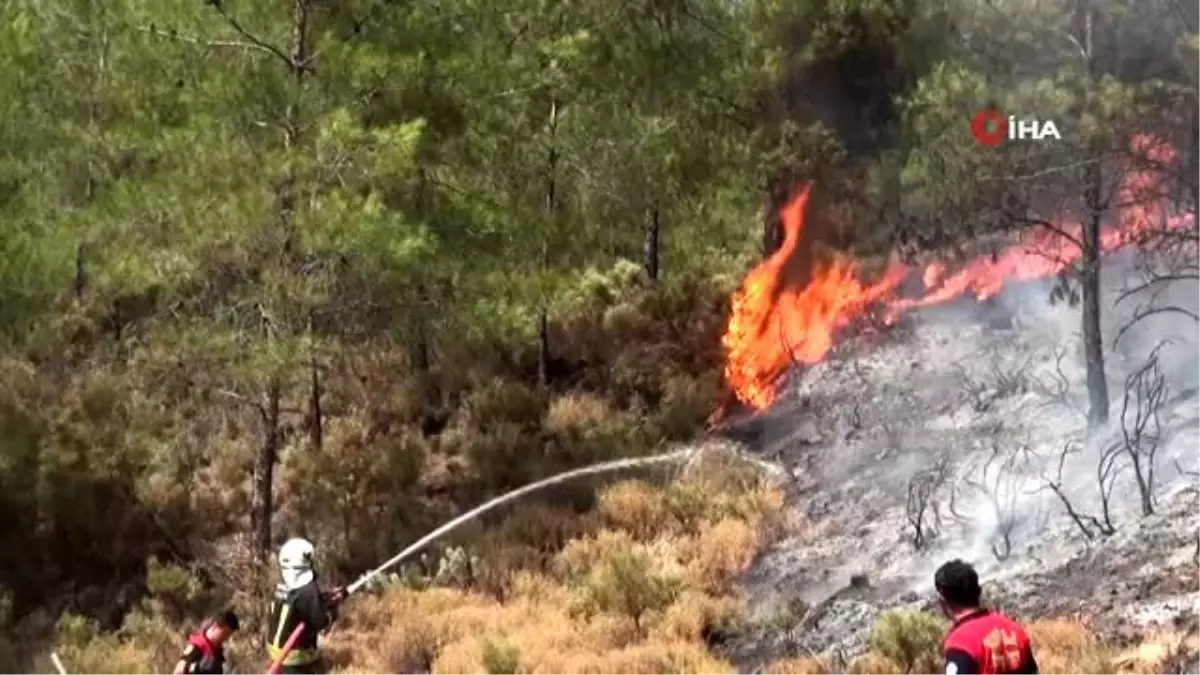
1088, 524
1001, 482
257, 42
175, 35
1146, 390
1145, 312
922, 502
1057, 386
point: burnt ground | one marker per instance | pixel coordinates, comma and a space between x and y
979, 412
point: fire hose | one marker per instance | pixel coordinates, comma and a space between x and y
679, 456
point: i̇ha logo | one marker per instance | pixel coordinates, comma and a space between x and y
992, 127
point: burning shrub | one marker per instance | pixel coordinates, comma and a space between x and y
909, 639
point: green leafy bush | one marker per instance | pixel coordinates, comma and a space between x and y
909, 639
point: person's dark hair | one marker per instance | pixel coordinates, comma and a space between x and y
958, 584
227, 619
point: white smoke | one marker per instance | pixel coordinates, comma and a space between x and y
860, 427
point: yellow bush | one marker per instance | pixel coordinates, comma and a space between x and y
575, 413
910, 639
581, 555
695, 612
544, 526
636, 507
876, 664
723, 551
1068, 646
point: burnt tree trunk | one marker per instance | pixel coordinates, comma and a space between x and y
1093, 340
1193, 166
650, 247
1089, 274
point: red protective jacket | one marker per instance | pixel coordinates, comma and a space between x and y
988, 642
202, 656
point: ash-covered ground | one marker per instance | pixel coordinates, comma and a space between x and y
958, 420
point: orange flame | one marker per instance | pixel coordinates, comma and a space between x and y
775, 325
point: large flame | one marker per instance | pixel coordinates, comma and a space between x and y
778, 321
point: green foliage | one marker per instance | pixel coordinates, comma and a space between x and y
910, 639
628, 583
501, 657
190, 222
171, 584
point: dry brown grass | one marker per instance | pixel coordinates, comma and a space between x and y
636, 507
636, 596
576, 412
797, 666
1069, 646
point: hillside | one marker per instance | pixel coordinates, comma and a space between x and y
957, 420
348, 270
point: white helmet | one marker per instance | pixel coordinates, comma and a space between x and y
296, 563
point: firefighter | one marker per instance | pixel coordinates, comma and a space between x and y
299, 600
979, 640
205, 650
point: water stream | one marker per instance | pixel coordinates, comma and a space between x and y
687, 457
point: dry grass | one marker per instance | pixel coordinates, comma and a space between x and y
908, 642
634, 586
576, 413
636, 596
797, 666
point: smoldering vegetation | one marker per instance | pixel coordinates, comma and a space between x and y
962, 432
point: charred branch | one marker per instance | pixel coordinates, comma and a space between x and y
1055, 386
1001, 482
1146, 390
922, 505
1088, 524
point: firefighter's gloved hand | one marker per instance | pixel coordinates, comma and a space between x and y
335, 596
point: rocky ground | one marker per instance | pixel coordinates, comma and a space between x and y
968, 415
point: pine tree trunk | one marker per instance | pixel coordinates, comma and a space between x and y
80, 273
316, 429
543, 347
772, 219
262, 502
551, 213
1093, 339
650, 248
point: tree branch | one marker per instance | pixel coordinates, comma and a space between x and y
172, 34
258, 43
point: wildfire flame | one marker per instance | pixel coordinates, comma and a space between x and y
775, 324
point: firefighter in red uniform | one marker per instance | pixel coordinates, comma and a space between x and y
205, 651
980, 640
